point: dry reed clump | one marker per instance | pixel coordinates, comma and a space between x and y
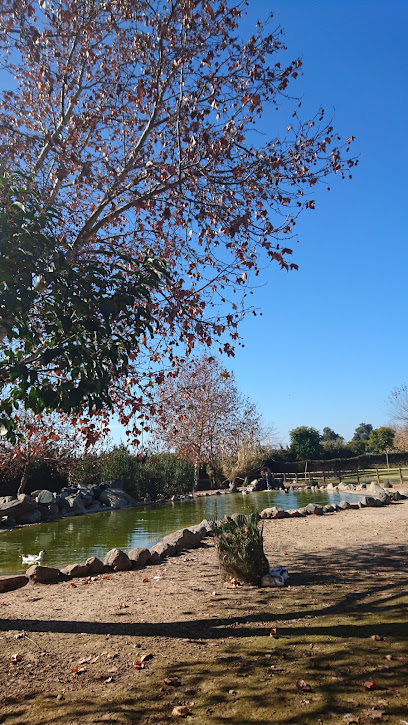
239, 545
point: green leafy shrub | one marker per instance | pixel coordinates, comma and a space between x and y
239, 545
164, 473
120, 465
85, 470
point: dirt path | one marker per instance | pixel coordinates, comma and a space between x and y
79, 642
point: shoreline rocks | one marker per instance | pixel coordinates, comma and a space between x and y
44, 505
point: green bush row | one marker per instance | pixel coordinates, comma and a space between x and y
141, 476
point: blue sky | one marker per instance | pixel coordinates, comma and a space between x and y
331, 343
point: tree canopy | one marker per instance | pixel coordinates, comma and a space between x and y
134, 122
202, 415
362, 432
305, 443
329, 435
69, 328
381, 439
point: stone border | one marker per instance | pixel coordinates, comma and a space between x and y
380, 497
115, 560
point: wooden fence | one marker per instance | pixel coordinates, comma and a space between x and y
323, 477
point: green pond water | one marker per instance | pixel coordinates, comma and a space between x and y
75, 539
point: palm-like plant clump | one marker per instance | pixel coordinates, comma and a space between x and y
239, 544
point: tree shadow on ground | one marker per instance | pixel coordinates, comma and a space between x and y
325, 620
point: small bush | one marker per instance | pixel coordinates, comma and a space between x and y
174, 475
239, 545
120, 465
85, 470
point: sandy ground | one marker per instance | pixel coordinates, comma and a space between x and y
102, 627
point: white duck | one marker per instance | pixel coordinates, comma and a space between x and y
33, 558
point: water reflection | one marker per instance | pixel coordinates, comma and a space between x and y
75, 539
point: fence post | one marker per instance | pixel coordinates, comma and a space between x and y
339, 475
324, 477
378, 476
358, 476
284, 479
401, 476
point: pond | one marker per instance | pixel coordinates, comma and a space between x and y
75, 539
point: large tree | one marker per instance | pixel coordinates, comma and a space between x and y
202, 415
362, 432
135, 122
305, 442
382, 441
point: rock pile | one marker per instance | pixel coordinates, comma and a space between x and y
44, 505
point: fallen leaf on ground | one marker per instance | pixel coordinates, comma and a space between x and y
180, 711
388, 657
376, 637
140, 665
302, 685
145, 580
78, 670
108, 680
122, 605
112, 655
370, 685
146, 657
174, 681
15, 658
376, 714
106, 576
72, 584
349, 718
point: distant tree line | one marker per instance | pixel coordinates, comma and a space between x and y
308, 443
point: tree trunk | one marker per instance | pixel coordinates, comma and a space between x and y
24, 480
196, 475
